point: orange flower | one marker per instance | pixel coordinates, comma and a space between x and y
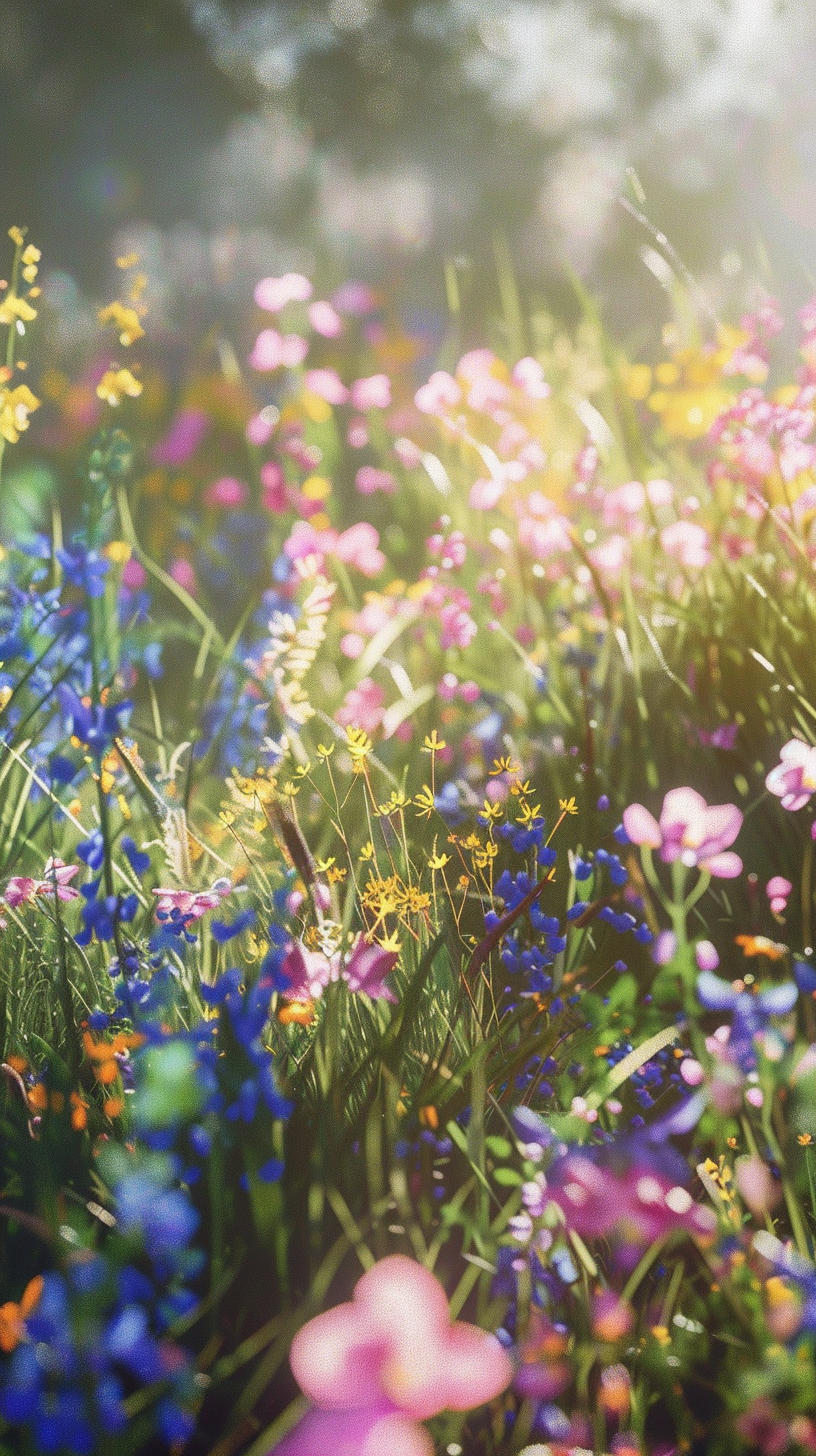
756, 945
13, 1316
103, 1054
301, 1012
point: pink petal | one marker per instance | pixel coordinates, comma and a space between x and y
356, 1433
683, 808
641, 826
475, 1368
725, 866
336, 1359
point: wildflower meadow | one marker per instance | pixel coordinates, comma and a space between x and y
407, 818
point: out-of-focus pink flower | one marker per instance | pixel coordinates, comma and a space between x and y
439, 395
57, 876
689, 830
325, 320
260, 428
778, 890
390, 1358
706, 956
362, 706
275, 351
355, 298
225, 492
273, 294
636, 1207
529, 375
793, 780
358, 546
183, 438
192, 904
371, 393
370, 479
274, 487
134, 575
327, 384
687, 542
183, 573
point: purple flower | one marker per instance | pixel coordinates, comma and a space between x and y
696, 833
794, 778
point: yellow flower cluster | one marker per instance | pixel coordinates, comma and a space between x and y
688, 390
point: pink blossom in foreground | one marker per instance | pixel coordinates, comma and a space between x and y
793, 780
325, 319
388, 1359
358, 546
778, 890
687, 543
192, 904
371, 393
273, 294
275, 351
309, 972
21, 889
690, 830
363, 706
327, 384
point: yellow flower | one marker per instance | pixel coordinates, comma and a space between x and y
359, 746
424, 802
31, 255
115, 384
504, 765
438, 861
491, 811
568, 806
127, 260
17, 236
15, 407
13, 307
126, 320
433, 743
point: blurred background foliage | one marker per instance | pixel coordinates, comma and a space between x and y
229, 138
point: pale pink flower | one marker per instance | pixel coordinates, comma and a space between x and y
688, 543
689, 830
275, 351
371, 393
20, 890
183, 573
390, 1358
359, 546
370, 479
439, 395
327, 384
273, 294
793, 780
529, 375
366, 970
778, 890
192, 904
309, 972
325, 320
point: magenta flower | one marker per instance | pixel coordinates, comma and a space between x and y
696, 833
309, 972
21, 889
794, 778
390, 1358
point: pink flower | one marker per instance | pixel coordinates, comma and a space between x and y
439, 395
388, 1359
529, 375
367, 968
309, 972
371, 393
778, 890
325, 320
274, 351
273, 294
689, 830
183, 438
20, 890
183, 573
225, 492
274, 487
327, 384
794, 778
688, 543
192, 904
370, 479
362, 706
358, 546
57, 876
